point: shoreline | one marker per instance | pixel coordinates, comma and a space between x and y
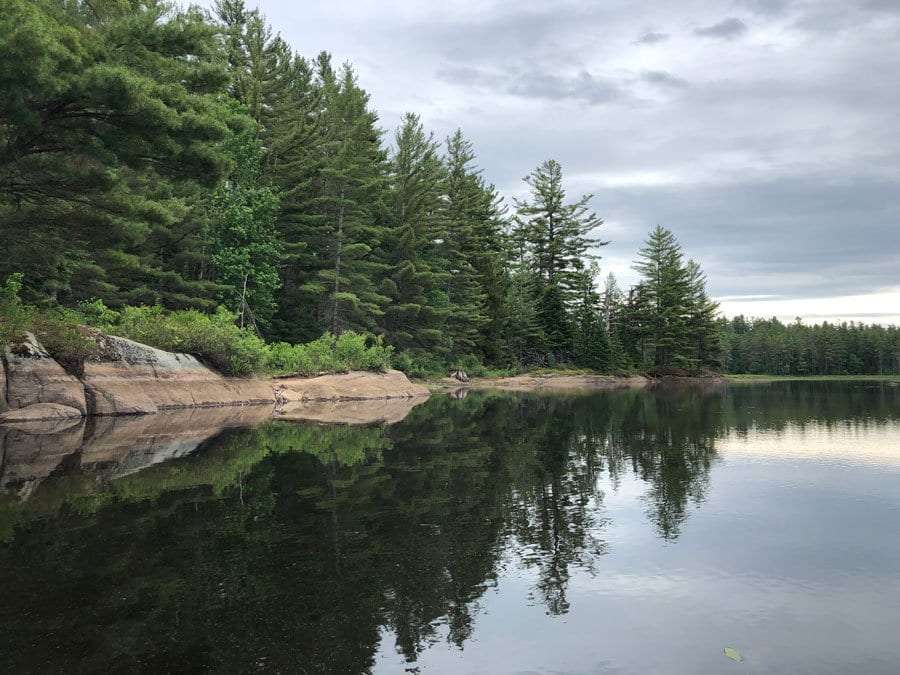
559, 382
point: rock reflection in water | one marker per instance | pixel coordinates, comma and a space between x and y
293, 547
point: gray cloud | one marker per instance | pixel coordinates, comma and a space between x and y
651, 38
776, 163
726, 29
664, 78
536, 84
766, 7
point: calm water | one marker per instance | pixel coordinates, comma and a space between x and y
620, 532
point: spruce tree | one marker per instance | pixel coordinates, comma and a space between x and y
417, 283
331, 166
591, 343
702, 327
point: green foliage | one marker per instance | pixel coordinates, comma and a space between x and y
421, 364
245, 247
56, 329
60, 333
768, 346
331, 354
213, 337
15, 317
112, 117
669, 318
155, 158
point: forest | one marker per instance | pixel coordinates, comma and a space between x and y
184, 177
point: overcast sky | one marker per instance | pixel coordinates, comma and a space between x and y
765, 133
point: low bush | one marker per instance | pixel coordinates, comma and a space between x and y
15, 317
213, 337
330, 354
60, 333
56, 329
421, 364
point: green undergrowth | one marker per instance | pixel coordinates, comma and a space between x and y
215, 338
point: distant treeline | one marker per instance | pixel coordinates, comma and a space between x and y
771, 347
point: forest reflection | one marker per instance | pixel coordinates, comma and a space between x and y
296, 547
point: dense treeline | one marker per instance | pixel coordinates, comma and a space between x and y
192, 160
771, 347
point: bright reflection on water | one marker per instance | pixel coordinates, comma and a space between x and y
620, 532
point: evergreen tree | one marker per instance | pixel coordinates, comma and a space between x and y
666, 288
553, 235
111, 119
702, 328
259, 61
553, 241
331, 221
417, 283
478, 216
525, 341
591, 347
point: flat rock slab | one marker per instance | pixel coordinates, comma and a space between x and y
354, 386
372, 411
41, 411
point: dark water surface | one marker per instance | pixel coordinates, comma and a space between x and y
616, 532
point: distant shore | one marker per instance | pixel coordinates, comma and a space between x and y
564, 381
758, 379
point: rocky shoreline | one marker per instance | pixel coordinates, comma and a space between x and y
135, 379
572, 383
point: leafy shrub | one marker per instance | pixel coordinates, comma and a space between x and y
331, 354
213, 337
420, 364
59, 332
15, 318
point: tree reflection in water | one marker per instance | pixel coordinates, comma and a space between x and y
294, 547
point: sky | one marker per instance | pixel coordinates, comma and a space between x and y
764, 133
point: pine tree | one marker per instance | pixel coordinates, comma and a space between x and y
666, 288
702, 327
552, 234
591, 344
476, 245
553, 241
417, 284
332, 167
112, 120
354, 182
295, 160
259, 61
524, 338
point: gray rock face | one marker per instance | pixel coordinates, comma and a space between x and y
32, 376
134, 379
41, 411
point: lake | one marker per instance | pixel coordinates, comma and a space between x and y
612, 532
